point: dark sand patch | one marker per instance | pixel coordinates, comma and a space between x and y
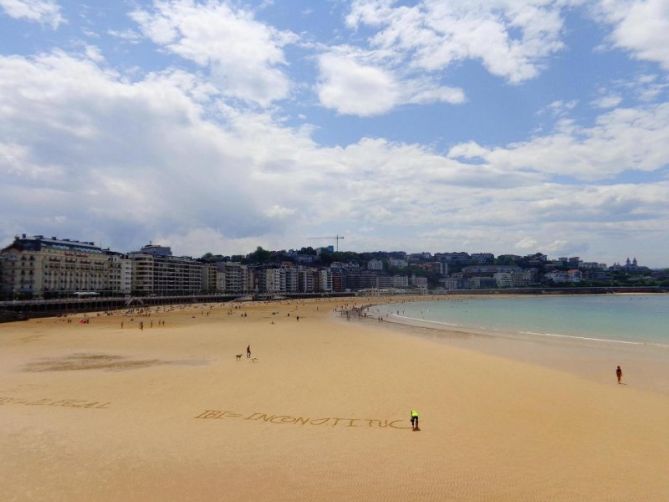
76, 362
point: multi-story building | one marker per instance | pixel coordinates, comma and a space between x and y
325, 280
483, 258
38, 267
338, 280
453, 283
435, 267
273, 280
157, 272
400, 281
560, 276
307, 279
209, 278
374, 264
482, 283
419, 282
120, 273
398, 262
454, 258
592, 265
384, 282
292, 279
418, 257
503, 279
488, 270
524, 278
233, 278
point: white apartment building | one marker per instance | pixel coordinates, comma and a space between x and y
274, 280
400, 281
398, 263
120, 274
503, 279
39, 266
419, 282
306, 279
374, 264
558, 276
451, 283
209, 278
292, 279
233, 278
325, 280
157, 272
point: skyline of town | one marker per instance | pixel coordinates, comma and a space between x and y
328, 247
39, 267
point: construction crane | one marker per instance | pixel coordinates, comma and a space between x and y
335, 238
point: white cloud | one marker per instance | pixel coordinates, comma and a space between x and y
130, 36
93, 53
353, 87
609, 101
279, 212
244, 55
411, 47
622, 139
41, 11
136, 155
88, 153
639, 26
511, 38
527, 244
559, 108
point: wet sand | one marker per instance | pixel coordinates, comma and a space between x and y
99, 412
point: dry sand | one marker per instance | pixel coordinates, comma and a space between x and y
96, 412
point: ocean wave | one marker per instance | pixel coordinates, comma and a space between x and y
416, 321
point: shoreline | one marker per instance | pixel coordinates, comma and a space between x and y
592, 358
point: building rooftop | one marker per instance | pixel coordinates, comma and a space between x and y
37, 242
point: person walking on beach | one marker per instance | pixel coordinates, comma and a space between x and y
414, 420
248, 352
619, 374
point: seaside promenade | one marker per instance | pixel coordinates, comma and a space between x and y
105, 410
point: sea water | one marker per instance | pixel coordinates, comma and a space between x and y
620, 318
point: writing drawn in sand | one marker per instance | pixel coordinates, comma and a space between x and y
65, 403
340, 422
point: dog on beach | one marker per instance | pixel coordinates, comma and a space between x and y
239, 357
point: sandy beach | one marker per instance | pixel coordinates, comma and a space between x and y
96, 411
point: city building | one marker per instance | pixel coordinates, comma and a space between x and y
400, 281
42, 267
157, 272
419, 282
398, 262
483, 258
375, 264
325, 283
209, 278
452, 283
481, 283
120, 273
233, 278
503, 279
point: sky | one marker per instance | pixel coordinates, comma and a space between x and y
503, 126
